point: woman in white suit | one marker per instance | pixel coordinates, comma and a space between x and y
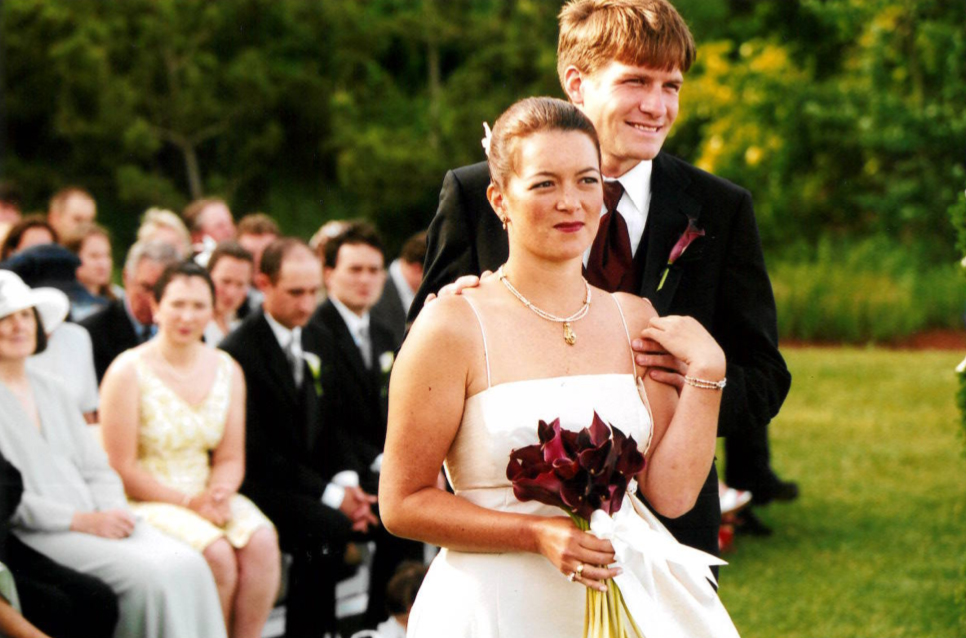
73, 508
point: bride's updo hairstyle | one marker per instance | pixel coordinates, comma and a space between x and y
525, 118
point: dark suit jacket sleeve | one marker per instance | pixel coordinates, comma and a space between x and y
746, 328
450, 244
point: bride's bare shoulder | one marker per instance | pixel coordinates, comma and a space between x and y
638, 311
446, 321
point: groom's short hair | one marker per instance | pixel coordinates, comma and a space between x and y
650, 33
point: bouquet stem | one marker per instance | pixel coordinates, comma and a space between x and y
603, 617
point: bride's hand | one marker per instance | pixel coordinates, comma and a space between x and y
574, 551
687, 340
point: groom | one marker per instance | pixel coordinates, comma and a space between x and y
622, 63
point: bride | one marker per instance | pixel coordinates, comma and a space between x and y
536, 342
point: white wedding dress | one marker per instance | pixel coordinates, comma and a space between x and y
522, 594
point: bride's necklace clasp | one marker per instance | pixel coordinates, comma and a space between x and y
569, 336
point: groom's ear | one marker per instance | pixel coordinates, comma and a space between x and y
573, 85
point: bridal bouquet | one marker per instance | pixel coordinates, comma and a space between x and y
587, 474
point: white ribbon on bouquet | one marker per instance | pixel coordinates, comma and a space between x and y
666, 586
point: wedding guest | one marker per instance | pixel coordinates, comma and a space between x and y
326, 231
173, 419
231, 269
293, 459
11, 201
92, 245
159, 224
622, 63
255, 232
73, 509
405, 275
69, 208
32, 230
537, 342
364, 348
210, 218
400, 596
54, 599
128, 322
69, 355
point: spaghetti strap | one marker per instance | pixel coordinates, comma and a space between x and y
486, 354
626, 332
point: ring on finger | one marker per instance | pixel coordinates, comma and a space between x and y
580, 570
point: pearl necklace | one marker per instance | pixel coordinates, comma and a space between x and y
568, 333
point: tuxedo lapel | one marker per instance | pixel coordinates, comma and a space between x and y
345, 342
278, 372
667, 219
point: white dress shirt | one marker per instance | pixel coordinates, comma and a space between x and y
634, 204
358, 328
334, 492
406, 294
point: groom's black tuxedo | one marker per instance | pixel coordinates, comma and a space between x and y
720, 280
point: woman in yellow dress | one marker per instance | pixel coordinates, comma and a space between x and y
173, 418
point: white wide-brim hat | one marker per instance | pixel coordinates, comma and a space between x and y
51, 304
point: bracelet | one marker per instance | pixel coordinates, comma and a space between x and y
704, 384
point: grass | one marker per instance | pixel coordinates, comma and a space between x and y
876, 545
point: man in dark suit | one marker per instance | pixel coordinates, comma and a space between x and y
404, 276
293, 461
363, 349
128, 322
628, 87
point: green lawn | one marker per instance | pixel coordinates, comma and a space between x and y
875, 547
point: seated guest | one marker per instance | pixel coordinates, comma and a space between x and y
57, 600
292, 457
173, 420
326, 231
255, 232
69, 209
69, 355
11, 201
405, 275
400, 596
32, 230
209, 217
354, 276
230, 267
128, 322
363, 355
92, 245
159, 224
73, 509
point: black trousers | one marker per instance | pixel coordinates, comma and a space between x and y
58, 600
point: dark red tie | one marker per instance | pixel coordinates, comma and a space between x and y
611, 262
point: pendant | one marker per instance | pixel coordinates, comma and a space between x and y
569, 335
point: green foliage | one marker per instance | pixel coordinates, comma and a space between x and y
874, 547
871, 291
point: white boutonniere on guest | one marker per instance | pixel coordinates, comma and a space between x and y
315, 367
386, 359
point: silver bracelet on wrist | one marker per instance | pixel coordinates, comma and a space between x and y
704, 384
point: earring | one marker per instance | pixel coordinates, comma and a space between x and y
504, 220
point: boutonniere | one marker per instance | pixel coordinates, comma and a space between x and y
315, 367
691, 233
386, 359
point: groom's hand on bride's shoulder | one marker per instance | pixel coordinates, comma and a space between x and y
458, 286
661, 366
